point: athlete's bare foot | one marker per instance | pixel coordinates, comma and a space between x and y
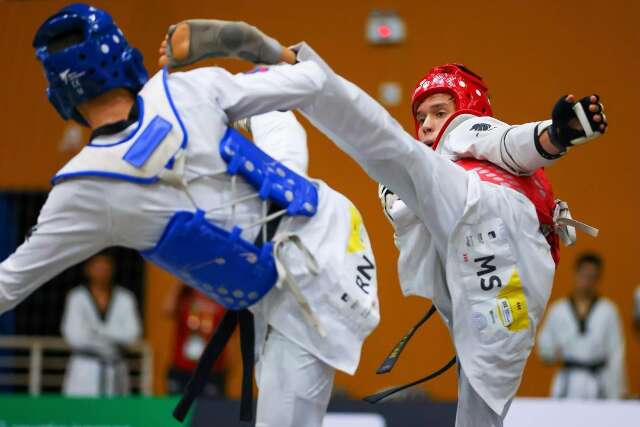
178, 36
196, 39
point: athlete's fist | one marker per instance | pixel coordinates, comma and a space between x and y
576, 122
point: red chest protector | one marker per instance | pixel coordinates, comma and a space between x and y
536, 188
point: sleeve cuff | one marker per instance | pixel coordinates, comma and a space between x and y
541, 127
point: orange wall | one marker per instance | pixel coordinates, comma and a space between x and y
530, 53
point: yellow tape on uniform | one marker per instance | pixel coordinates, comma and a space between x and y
514, 294
355, 237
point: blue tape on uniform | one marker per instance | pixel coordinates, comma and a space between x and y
147, 142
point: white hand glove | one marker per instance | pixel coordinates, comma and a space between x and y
387, 199
242, 124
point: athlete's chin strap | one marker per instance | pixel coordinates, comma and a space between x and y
393, 356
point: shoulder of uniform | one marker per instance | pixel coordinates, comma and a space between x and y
80, 291
559, 303
124, 293
608, 303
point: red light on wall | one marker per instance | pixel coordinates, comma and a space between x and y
384, 31
384, 27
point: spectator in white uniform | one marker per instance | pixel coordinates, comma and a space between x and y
584, 336
99, 319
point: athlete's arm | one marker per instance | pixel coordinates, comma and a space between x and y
71, 227
548, 342
77, 328
280, 135
516, 149
521, 149
126, 328
615, 375
282, 87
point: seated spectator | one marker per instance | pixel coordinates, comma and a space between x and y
99, 319
196, 318
583, 335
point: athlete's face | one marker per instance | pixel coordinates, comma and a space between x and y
432, 115
99, 269
587, 276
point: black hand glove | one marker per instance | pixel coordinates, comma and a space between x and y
561, 132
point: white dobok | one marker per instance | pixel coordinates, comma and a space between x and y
590, 351
447, 206
96, 366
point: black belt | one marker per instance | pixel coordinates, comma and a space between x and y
393, 356
95, 355
104, 363
218, 342
593, 367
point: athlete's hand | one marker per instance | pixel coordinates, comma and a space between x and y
196, 39
576, 122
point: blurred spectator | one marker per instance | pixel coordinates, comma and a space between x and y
636, 310
583, 334
99, 318
196, 318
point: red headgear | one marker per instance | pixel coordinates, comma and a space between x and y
467, 89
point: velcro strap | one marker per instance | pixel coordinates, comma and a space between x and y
585, 228
590, 134
582, 118
565, 225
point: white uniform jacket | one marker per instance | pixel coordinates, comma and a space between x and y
576, 344
86, 214
477, 250
96, 366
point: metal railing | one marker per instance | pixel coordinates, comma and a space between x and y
38, 359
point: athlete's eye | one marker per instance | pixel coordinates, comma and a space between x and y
441, 114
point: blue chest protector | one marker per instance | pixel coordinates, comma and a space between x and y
219, 263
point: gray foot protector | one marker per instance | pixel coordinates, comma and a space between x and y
215, 38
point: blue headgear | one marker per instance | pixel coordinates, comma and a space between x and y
100, 60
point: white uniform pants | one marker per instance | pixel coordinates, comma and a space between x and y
294, 387
472, 411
